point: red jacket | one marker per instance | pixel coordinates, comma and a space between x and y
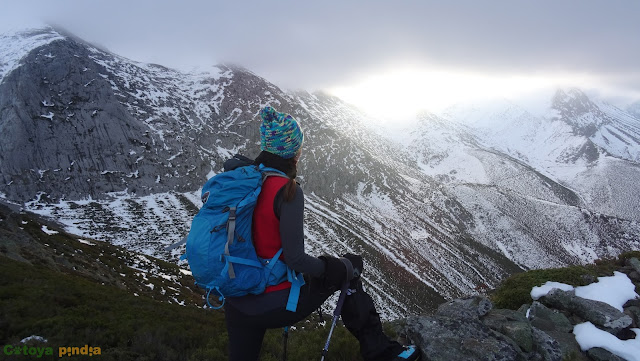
266, 226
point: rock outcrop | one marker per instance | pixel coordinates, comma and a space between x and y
471, 329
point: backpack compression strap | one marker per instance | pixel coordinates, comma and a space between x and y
231, 229
297, 281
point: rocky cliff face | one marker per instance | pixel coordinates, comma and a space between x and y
78, 122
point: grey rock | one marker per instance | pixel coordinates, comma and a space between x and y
494, 320
632, 302
466, 308
524, 309
512, 324
600, 354
626, 334
635, 263
547, 319
546, 346
634, 313
449, 339
562, 300
520, 333
569, 347
497, 317
520, 316
599, 313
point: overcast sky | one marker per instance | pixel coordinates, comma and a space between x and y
330, 44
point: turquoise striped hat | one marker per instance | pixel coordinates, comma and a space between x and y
280, 133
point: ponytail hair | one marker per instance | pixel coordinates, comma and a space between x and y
287, 166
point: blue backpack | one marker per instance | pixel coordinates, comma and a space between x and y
220, 248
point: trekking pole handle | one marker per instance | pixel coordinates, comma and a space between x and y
343, 295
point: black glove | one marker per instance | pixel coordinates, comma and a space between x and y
335, 272
356, 262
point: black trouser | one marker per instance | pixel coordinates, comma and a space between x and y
358, 314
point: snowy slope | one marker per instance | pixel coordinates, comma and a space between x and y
634, 110
588, 146
538, 189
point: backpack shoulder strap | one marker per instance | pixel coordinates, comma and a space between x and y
270, 172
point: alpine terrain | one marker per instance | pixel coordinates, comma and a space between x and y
117, 150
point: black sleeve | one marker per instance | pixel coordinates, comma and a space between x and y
292, 235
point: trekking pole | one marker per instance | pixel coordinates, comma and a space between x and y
285, 338
336, 316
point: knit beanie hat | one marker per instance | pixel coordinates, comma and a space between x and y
280, 133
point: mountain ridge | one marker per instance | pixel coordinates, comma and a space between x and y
122, 147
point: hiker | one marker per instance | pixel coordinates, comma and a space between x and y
278, 223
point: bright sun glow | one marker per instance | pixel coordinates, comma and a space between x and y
400, 94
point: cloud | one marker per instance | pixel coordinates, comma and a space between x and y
315, 45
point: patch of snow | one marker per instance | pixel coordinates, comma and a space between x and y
85, 242
47, 116
33, 338
49, 231
537, 292
614, 290
589, 336
174, 156
181, 303
134, 174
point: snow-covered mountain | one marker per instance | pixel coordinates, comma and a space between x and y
591, 147
116, 150
634, 109
492, 161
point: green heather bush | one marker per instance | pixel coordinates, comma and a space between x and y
516, 290
69, 310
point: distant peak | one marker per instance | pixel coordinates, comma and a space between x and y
576, 109
574, 100
30, 31
569, 93
17, 43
